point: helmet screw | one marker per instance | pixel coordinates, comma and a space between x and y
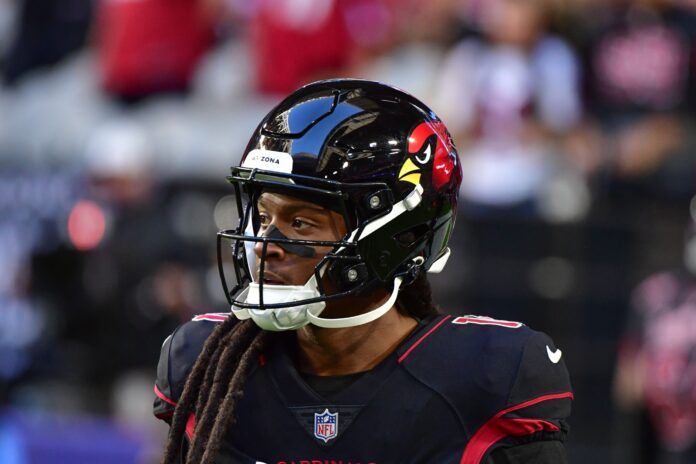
375, 202
352, 275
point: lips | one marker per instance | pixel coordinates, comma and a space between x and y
271, 278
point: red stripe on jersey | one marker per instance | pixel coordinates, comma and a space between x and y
217, 317
498, 428
420, 340
164, 397
190, 426
480, 320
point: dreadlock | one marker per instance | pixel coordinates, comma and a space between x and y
216, 382
212, 389
416, 299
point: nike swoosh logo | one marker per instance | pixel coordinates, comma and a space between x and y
554, 356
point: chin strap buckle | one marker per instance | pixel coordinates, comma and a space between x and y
413, 269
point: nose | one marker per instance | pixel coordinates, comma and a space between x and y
273, 250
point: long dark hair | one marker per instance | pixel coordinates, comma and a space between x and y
216, 382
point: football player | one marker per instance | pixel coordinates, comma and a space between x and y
333, 351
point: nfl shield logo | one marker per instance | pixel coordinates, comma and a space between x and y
325, 425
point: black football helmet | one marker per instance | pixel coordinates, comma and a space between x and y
369, 151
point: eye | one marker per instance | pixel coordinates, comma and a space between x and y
264, 220
298, 223
426, 156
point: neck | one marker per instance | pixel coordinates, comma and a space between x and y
349, 350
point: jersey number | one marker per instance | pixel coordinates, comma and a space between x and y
483, 320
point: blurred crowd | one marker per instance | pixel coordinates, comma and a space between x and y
119, 119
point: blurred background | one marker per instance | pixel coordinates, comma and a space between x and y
120, 118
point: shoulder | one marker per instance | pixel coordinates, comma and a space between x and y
480, 345
177, 356
499, 364
457, 338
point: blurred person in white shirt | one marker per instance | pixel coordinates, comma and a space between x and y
509, 96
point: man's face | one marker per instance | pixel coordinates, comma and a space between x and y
295, 219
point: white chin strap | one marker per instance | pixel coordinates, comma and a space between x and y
294, 317
360, 319
277, 319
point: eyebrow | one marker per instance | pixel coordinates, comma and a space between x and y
292, 208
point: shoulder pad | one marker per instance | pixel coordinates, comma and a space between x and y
179, 352
482, 366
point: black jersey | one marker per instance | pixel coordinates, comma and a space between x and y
457, 390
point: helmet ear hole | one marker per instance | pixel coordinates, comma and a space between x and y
410, 236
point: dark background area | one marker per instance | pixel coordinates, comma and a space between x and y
119, 121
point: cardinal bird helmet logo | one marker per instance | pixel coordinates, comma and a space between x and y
430, 148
